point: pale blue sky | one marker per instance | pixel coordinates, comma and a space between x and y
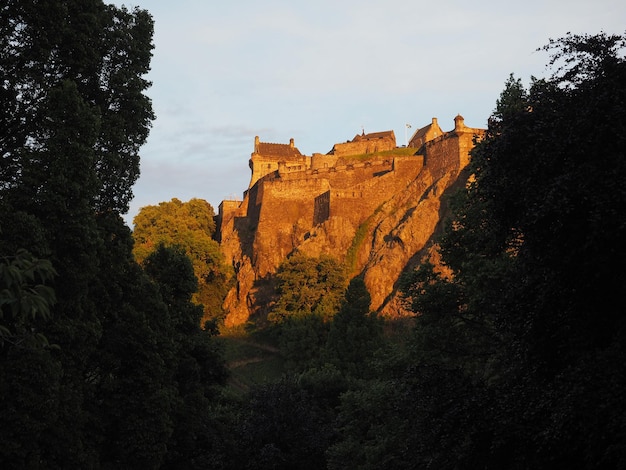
319, 71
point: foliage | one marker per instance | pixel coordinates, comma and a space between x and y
172, 223
308, 286
30, 389
132, 370
105, 52
310, 292
302, 339
533, 244
191, 226
25, 307
197, 365
357, 242
25, 299
72, 120
289, 424
126, 369
172, 271
355, 332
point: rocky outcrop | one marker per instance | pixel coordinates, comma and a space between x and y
375, 212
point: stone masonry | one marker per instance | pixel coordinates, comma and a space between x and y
316, 203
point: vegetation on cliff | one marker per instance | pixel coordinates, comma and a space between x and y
308, 286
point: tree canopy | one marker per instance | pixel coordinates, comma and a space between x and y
529, 318
91, 355
308, 286
190, 226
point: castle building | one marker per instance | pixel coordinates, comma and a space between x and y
311, 189
426, 133
366, 143
293, 198
267, 156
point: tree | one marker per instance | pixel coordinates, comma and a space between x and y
287, 424
132, 391
533, 243
355, 332
308, 286
25, 299
197, 365
191, 226
73, 117
25, 307
105, 51
310, 291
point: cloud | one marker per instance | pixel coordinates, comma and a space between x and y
224, 72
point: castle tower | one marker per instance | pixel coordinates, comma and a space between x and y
459, 123
266, 158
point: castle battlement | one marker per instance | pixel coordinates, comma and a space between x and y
295, 201
355, 162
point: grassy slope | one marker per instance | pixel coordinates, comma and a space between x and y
251, 358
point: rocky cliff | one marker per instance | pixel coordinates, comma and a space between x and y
373, 206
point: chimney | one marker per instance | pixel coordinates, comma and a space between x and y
291, 143
256, 144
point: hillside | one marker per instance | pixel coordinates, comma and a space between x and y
368, 203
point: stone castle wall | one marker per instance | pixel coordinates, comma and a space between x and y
289, 205
366, 143
320, 161
301, 178
263, 165
357, 202
292, 197
286, 211
363, 147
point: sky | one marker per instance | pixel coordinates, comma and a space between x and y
322, 71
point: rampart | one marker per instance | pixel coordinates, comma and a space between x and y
291, 193
366, 143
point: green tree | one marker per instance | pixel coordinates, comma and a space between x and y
287, 424
355, 332
25, 307
73, 117
197, 364
25, 299
191, 226
131, 371
310, 292
533, 245
308, 286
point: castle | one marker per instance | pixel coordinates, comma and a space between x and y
291, 195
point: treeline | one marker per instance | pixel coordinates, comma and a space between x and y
103, 364
514, 360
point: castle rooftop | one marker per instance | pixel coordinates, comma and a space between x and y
276, 150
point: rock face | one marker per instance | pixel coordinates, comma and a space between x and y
375, 209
